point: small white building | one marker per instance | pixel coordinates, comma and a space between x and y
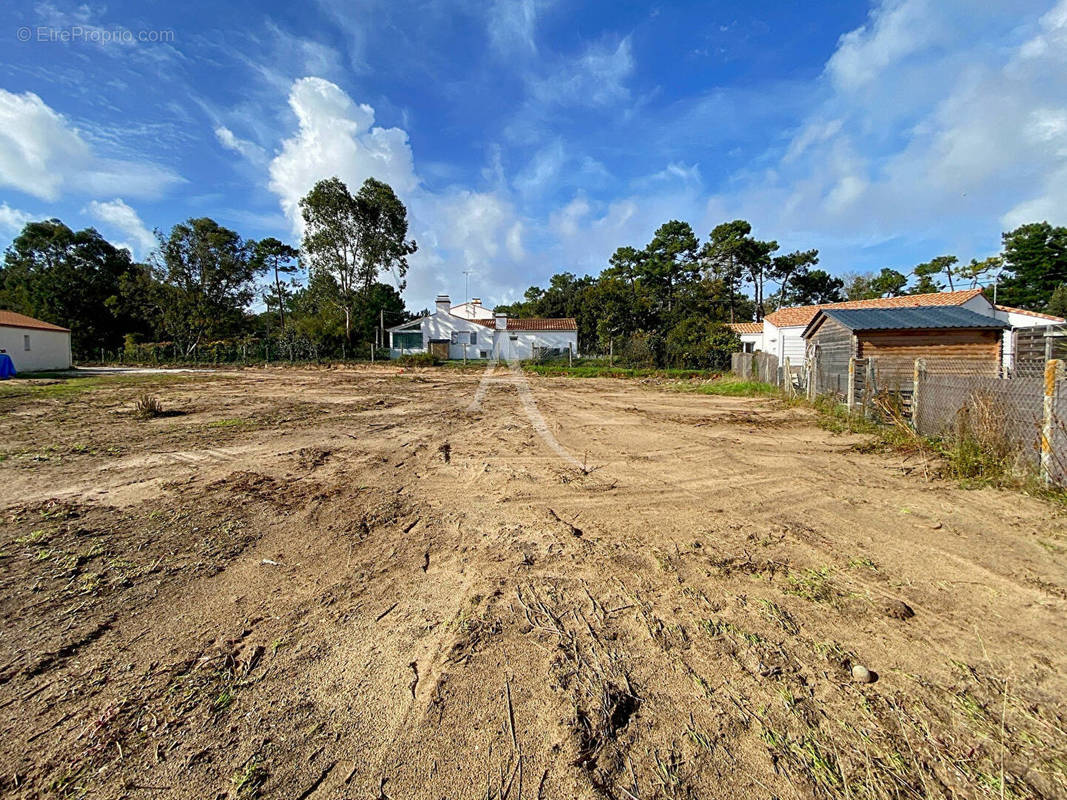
34, 345
782, 332
450, 336
472, 309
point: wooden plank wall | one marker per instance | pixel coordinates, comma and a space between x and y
835, 348
947, 351
1030, 352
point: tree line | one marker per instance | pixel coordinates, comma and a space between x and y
669, 300
198, 288
665, 304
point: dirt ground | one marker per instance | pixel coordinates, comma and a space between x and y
311, 584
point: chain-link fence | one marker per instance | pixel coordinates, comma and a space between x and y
1019, 420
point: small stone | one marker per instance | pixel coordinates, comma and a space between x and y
936, 526
861, 674
897, 610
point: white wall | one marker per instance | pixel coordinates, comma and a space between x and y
48, 349
785, 342
755, 340
520, 344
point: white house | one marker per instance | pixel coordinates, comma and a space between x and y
34, 345
472, 309
782, 332
451, 336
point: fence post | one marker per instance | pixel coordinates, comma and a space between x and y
1053, 373
851, 384
916, 378
787, 376
870, 387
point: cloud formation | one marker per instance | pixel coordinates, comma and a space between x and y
42, 155
116, 215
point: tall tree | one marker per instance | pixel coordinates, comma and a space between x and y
927, 272
207, 275
76, 279
792, 266
670, 261
1036, 257
1057, 304
354, 239
723, 253
275, 257
815, 287
332, 243
977, 271
383, 231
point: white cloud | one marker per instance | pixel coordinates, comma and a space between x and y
895, 30
512, 25
457, 229
250, 150
945, 136
41, 154
336, 137
117, 215
595, 77
12, 220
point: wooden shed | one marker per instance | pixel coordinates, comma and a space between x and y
950, 338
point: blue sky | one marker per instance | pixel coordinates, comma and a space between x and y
530, 137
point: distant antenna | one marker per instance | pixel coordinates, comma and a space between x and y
467, 285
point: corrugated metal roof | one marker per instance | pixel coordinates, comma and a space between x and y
922, 317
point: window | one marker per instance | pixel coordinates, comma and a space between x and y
514, 338
474, 338
483, 354
455, 337
407, 340
26, 343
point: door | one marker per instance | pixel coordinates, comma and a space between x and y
439, 350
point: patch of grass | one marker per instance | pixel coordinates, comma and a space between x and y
814, 585
779, 616
733, 387
605, 371
248, 781
62, 386
718, 627
229, 423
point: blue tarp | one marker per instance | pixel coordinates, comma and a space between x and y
7, 367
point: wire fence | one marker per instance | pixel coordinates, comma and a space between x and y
1021, 417
1017, 417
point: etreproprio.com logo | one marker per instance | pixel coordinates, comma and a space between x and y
76, 34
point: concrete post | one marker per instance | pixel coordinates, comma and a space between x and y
917, 376
851, 384
1053, 373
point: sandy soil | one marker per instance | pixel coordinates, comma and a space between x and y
313, 584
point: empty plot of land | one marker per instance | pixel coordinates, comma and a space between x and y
355, 584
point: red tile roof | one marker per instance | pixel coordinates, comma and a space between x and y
12, 320
802, 315
533, 323
746, 327
1011, 310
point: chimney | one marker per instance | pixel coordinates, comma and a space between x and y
443, 303
501, 322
